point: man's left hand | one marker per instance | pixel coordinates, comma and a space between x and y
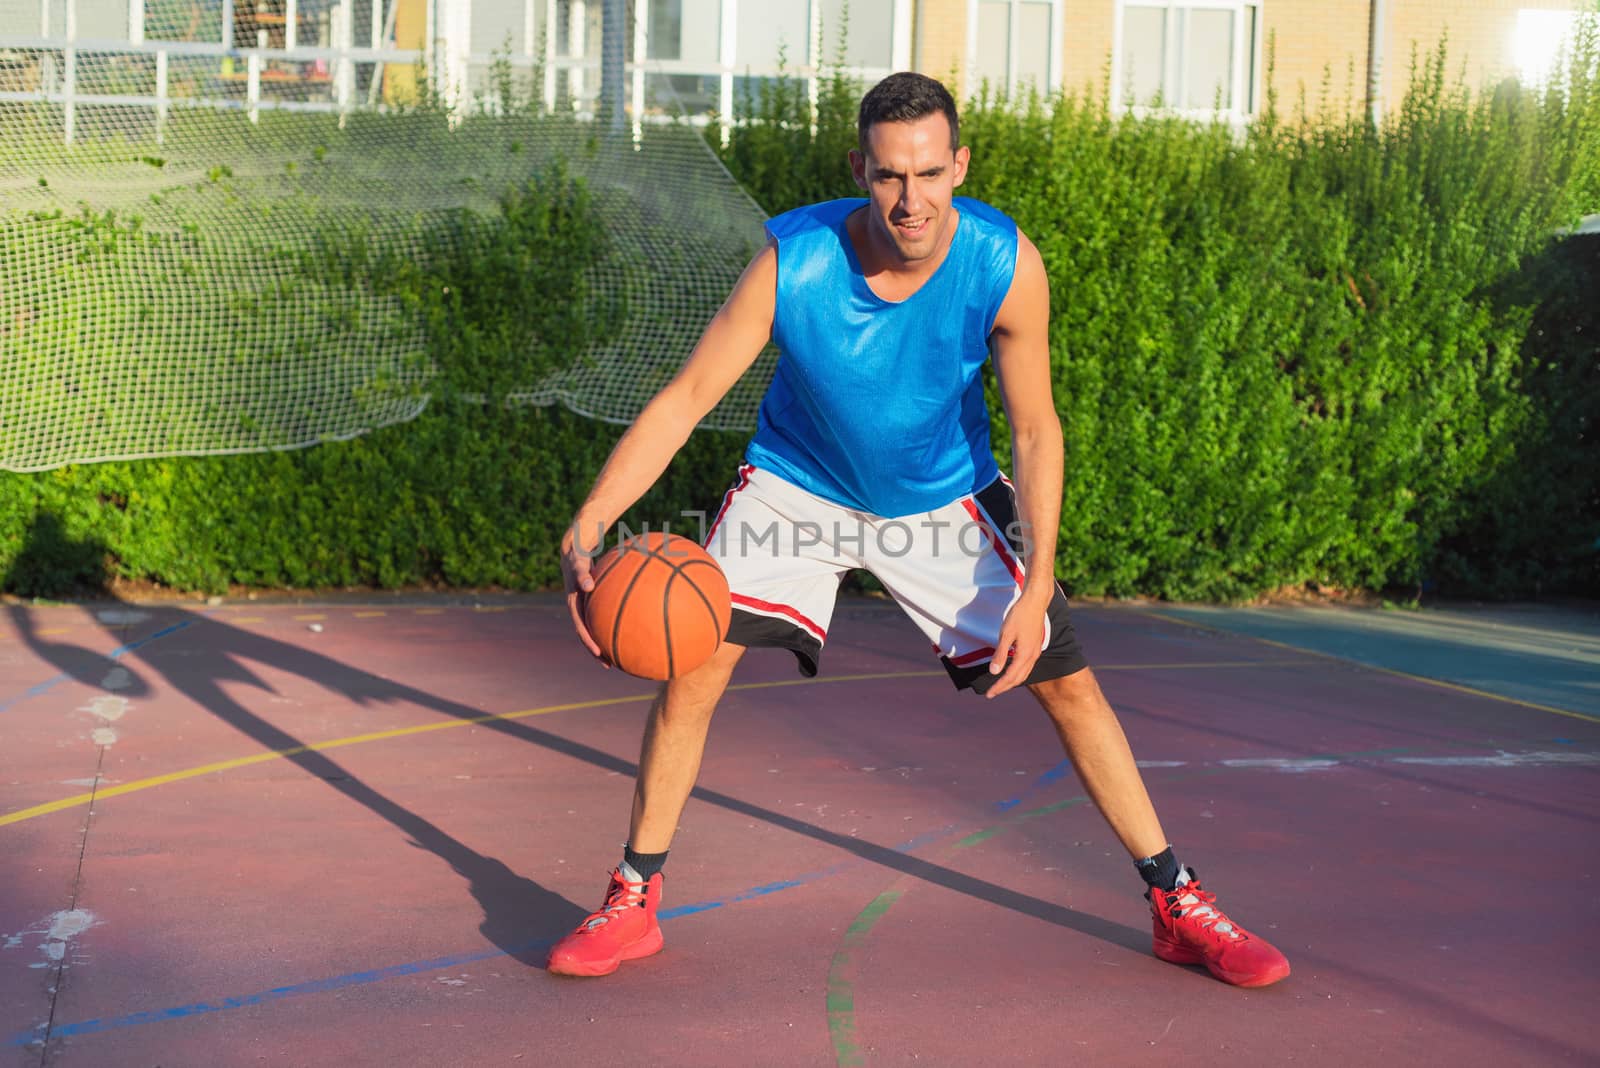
1020, 643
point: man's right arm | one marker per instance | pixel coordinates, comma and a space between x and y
728, 346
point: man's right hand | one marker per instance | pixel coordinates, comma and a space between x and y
579, 583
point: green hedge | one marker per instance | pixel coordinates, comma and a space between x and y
1313, 353
460, 497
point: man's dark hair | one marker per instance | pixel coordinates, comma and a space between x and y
906, 97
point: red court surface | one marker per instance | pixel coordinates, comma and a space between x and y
345, 833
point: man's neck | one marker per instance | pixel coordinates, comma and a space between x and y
888, 273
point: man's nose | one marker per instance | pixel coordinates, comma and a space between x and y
911, 198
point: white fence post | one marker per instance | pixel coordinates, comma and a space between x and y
549, 56
136, 21
252, 85
344, 77
455, 43
70, 87
814, 54
577, 48
900, 29
641, 49
430, 47
161, 96
291, 24
727, 49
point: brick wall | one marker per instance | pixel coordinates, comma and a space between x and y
1087, 54
1317, 35
1479, 38
939, 46
1319, 48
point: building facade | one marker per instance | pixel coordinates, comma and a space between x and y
1209, 58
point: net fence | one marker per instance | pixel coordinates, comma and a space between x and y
182, 278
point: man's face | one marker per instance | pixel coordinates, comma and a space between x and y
910, 173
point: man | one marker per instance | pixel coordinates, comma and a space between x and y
872, 450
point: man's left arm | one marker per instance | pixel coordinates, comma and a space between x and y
1020, 344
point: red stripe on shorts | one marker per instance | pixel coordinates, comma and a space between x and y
745, 471
781, 609
986, 653
996, 540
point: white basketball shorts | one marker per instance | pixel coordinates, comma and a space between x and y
955, 571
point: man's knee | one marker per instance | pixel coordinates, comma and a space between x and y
1071, 698
696, 693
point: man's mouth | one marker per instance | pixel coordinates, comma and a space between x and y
911, 227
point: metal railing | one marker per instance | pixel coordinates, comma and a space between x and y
57, 73
48, 68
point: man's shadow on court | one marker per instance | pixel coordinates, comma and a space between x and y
516, 910
520, 917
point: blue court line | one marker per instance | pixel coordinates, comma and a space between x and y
48, 684
35, 1035
1057, 772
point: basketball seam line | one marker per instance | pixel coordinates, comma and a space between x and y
677, 569
622, 607
666, 618
704, 599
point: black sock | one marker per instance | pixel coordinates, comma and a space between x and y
646, 864
1159, 871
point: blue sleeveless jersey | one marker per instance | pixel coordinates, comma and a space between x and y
878, 405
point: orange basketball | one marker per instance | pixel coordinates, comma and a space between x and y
659, 607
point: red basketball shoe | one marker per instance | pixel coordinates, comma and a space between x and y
625, 928
1190, 929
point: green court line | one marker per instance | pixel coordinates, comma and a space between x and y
841, 981
841, 972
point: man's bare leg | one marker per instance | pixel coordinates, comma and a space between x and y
625, 927
1099, 752
1189, 929
674, 742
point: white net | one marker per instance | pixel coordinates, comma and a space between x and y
183, 278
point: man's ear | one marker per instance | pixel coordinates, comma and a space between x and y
858, 167
963, 157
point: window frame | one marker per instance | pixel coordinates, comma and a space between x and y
1245, 90
1053, 75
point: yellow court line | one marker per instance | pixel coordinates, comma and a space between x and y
279, 754
376, 736
1474, 691
443, 725
46, 632
1180, 664
369, 615
306, 619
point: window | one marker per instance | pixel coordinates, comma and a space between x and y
766, 28
1013, 45
1194, 56
666, 29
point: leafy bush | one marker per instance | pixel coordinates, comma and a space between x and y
465, 496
